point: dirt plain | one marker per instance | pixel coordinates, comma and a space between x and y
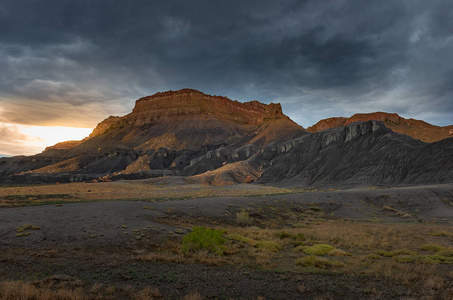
122, 240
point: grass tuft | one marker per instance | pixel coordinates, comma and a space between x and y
20, 234
317, 262
243, 218
446, 253
432, 247
202, 238
268, 245
441, 233
24, 227
338, 252
241, 238
318, 249
395, 252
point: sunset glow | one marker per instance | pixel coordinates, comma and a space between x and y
50, 135
28, 140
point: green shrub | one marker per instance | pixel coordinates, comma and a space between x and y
318, 249
338, 252
372, 256
405, 258
446, 253
201, 238
440, 259
268, 245
299, 248
321, 263
432, 247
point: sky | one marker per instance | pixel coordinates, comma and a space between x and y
71, 64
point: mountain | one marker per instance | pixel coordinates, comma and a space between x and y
169, 131
361, 153
215, 140
415, 128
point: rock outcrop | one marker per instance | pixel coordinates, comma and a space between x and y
417, 129
362, 153
174, 130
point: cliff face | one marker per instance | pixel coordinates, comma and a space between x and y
190, 119
417, 129
161, 106
170, 131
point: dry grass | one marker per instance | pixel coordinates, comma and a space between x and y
243, 218
157, 189
25, 290
195, 295
149, 293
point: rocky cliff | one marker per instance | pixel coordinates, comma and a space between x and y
170, 130
415, 128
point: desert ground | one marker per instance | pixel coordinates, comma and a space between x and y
171, 238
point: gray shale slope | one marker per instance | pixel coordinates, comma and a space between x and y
363, 153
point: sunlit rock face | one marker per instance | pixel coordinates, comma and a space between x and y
415, 128
171, 130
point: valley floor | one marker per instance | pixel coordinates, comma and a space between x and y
85, 241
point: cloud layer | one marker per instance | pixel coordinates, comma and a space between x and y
73, 63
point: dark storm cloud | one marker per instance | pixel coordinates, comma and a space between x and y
83, 60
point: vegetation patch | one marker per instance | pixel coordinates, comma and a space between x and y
338, 252
317, 262
22, 234
24, 227
318, 249
202, 238
446, 253
299, 248
395, 252
441, 233
268, 245
432, 247
243, 218
240, 238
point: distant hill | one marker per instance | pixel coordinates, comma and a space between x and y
417, 129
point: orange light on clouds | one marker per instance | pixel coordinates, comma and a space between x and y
50, 135
17, 139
